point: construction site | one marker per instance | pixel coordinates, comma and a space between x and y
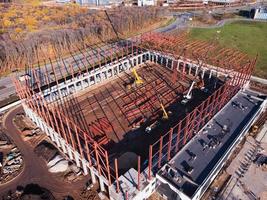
128, 112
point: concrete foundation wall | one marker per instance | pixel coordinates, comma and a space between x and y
188, 66
93, 77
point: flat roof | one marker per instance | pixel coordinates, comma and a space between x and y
193, 164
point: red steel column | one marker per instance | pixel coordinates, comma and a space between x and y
160, 151
186, 129
117, 176
97, 158
78, 140
62, 125
138, 170
71, 135
108, 170
150, 161
192, 128
87, 149
200, 118
178, 137
55, 119
170, 144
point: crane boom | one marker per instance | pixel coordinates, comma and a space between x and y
165, 114
138, 80
189, 93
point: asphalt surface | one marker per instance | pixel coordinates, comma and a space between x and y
35, 170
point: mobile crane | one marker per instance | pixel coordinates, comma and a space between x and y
138, 79
188, 96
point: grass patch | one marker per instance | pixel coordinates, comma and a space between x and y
249, 37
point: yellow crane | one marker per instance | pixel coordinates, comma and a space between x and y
165, 114
138, 79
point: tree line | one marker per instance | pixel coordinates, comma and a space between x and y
29, 34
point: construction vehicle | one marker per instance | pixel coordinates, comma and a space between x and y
201, 84
166, 114
138, 79
188, 96
135, 82
152, 126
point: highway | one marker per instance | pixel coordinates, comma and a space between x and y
35, 170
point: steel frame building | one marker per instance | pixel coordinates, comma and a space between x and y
41, 90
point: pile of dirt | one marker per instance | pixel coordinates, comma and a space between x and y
4, 137
89, 194
23, 123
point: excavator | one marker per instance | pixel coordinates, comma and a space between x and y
155, 124
165, 115
137, 80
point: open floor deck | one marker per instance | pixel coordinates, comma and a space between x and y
116, 113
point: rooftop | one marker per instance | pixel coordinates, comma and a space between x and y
193, 164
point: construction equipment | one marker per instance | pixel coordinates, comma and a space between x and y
138, 79
152, 126
134, 82
201, 84
165, 114
188, 96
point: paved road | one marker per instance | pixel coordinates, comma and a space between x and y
35, 170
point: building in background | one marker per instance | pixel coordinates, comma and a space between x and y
261, 13
93, 2
147, 2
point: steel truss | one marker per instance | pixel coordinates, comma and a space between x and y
236, 64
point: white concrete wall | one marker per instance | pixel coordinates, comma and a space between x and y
71, 153
198, 68
94, 77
